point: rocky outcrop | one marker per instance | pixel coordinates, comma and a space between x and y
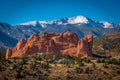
52, 43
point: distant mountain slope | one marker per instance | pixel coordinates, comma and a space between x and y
78, 24
108, 44
6, 41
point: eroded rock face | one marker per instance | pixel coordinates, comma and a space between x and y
52, 43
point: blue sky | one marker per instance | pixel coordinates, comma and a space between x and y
20, 11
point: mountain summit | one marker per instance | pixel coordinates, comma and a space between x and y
78, 20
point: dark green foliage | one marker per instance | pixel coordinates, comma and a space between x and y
68, 77
105, 65
19, 69
18, 75
102, 60
81, 64
93, 65
99, 78
0, 68
78, 60
118, 61
118, 72
87, 60
5, 78
23, 60
32, 65
113, 61
78, 70
45, 66
87, 70
98, 61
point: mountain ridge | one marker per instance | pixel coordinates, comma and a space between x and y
72, 20
79, 24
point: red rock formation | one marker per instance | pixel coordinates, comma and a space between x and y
51, 43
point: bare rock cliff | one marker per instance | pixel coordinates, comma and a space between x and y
52, 43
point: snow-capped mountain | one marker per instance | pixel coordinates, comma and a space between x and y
77, 20
78, 24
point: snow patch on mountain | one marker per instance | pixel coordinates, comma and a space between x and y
43, 23
33, 23
78, 19
107, 25
55, 22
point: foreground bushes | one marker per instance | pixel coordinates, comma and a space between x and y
41, 66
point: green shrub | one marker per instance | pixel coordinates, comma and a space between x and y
81, 64
98, 61
45, 66
87, 60
113, 61
19, 69
99, 78
78, 70
68, 77
102, 60
5, 78
87, 70
105, 65
32, 65
18, 75
93, 65
118, 72
0, 67
78, 60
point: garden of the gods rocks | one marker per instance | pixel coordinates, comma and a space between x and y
52, 40
52, 43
